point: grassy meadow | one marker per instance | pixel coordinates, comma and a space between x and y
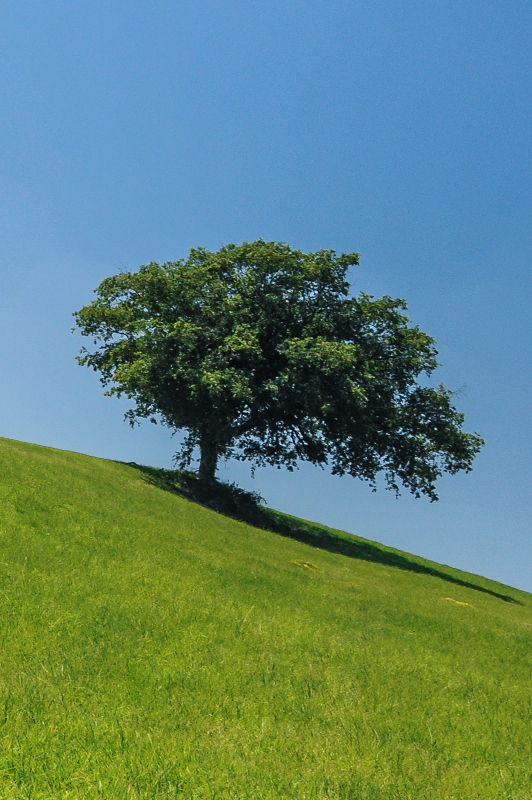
151, 647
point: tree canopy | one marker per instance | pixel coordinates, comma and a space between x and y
259, 352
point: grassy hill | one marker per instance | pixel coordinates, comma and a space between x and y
153, 648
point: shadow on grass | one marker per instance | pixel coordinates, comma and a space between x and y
230, 500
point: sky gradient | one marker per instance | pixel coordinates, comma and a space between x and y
131, 132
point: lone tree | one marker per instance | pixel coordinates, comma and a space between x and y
259, 352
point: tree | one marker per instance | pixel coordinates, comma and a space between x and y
259, 352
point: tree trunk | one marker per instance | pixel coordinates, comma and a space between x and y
209, 457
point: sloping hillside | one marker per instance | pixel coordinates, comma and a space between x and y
152, 648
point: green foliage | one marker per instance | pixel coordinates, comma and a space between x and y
259, 352
152, 649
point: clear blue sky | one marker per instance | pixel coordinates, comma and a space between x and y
132, 131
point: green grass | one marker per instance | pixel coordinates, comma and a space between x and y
152, 648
